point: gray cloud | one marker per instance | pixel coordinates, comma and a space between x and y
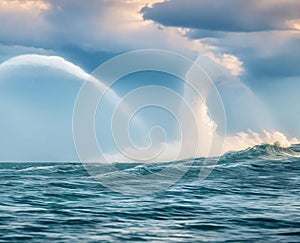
94, 25
201, 34
265, 55
54, 24
261, 33
226, 15
280, 65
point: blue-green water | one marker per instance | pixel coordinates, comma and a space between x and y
252, 195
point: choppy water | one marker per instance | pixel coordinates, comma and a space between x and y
252, 195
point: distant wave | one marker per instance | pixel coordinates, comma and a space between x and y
264, 151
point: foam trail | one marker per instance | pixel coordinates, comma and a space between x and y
243, 140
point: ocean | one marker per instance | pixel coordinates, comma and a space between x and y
251, 195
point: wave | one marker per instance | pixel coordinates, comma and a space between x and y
53, 167
265, 151
128, 176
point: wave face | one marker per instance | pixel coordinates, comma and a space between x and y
251, 195
265, 152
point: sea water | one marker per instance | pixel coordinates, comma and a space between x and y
252, 195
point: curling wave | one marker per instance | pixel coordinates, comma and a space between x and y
266, 152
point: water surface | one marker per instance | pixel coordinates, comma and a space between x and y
252, 195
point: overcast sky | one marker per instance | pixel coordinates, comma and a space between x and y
255, 42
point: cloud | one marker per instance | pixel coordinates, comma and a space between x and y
260, 37
227, 15
281, 61
22, 22
70, 27
96, 25
272, 55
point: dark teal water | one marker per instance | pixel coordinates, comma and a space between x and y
252, 195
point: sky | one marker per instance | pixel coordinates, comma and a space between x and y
254, 44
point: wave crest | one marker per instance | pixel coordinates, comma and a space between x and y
265, 151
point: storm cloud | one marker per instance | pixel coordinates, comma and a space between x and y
227, 15
263, 34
